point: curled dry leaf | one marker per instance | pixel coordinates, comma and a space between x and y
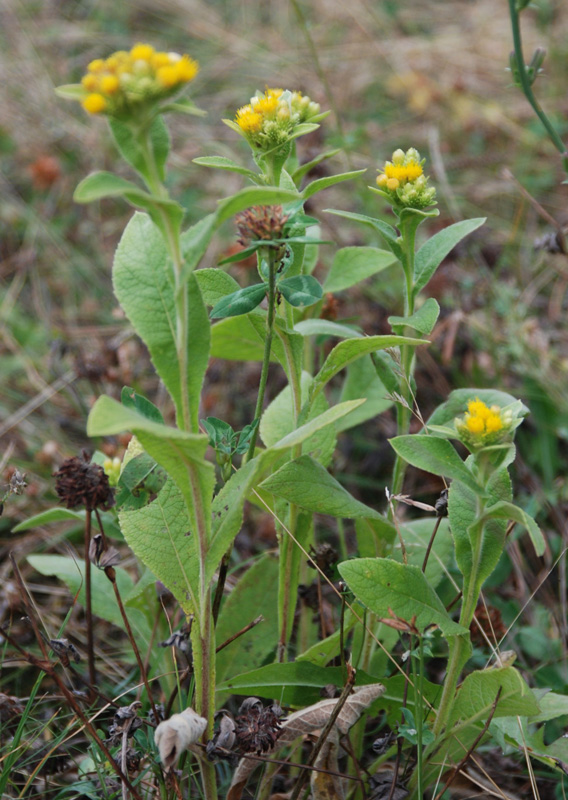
178, 733
310, 720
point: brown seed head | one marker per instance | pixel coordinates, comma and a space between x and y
80, 482
260, 223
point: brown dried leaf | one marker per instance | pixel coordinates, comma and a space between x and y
310, 720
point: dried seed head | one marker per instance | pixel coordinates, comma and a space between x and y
125, 721
260, 223
79, 481
257, 728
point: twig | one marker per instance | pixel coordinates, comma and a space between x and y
46, 666
302, 778
223, 570
111, 575
240, 633
456, 770
430, 544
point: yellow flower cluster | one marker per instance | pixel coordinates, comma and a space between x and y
120, 83
482, 425
269, 119
403, 182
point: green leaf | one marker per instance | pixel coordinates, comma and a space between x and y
325, 327
456, 404
324, 651
351, 349
374, 537
551, 706
72, 572
437, 456
435, 249
388, 233
236, 339
301, 290
158, 536
462, 513
303, 169
47, 517
180, 453
227, 508
297, 683
240, 302
71, 91
352, 265
105, 184
416, 535
323, 183
362, 381
131, 399
132, 150
317, 423
478, 692
278, 421
309, 485
220, 162
183, 106
214, 284
506, 510
255, 593
382, 584
143, 284
422, 320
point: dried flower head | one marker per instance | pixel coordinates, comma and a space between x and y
271, 119
325, 557
403, 183
129, 81
125, 722
260, 223
81, 482
257, 728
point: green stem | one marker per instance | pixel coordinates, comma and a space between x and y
270, 314
403, 413
459, 645
525, 83
286, 601
419, 714
171, 233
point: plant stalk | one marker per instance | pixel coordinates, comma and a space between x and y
270, 314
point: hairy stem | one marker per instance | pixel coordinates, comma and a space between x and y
270, 314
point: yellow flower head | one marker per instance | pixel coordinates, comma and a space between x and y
131, 80
483, 425
270, 117
403, 182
